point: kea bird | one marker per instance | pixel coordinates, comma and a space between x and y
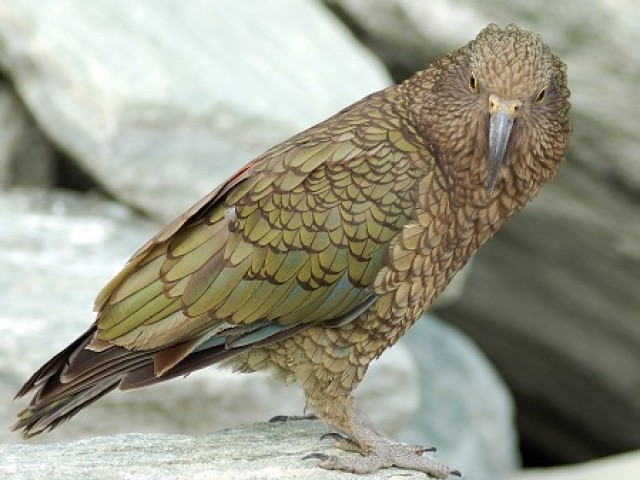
319, 254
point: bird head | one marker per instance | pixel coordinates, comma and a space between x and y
496, 110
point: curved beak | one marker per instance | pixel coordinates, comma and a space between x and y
502, 114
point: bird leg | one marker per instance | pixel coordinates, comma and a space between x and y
376, 450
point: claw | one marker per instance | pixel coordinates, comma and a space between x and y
456, 473
287, 418
278, 419
421, 450
318, 455
334, 436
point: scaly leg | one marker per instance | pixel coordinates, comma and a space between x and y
376, 449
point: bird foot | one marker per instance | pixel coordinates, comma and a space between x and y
383, 455
290, 418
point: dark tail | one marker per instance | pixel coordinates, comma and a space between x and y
77, 377
73, 379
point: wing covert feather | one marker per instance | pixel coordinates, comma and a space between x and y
296, 236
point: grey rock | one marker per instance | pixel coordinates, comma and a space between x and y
624, 466
26, 157
253, 452
161, 100
553, 299
60, 249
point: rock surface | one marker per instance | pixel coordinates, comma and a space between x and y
161, 101
619, 467
433, 388
553, 299
254, 452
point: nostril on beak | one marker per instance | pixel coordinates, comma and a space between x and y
510, 107
514, 108
494, 103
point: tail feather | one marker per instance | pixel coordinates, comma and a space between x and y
77, 377
144, 375
36, 419
51, 367
73, 379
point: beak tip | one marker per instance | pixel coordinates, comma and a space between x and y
492, 180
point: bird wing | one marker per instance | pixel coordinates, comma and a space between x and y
294, 238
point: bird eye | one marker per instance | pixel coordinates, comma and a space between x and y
541, 94
473, 83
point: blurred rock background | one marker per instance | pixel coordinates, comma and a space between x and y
142, 107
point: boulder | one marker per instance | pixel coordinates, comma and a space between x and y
267, 451
623, 466
160, 100
553, 299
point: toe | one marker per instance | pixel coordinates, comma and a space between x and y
333, 435
278, 419
318, 455
419, 449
